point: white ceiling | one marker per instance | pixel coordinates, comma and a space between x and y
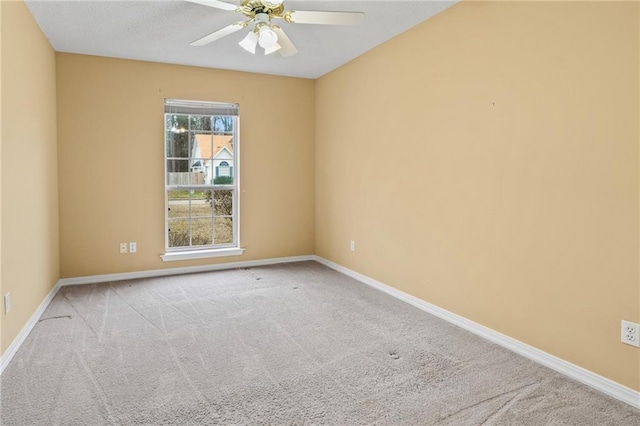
160, 31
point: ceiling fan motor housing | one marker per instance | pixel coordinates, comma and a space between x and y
251, 8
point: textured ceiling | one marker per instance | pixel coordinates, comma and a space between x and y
160, 31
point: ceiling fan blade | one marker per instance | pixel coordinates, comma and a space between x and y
287, 48
323, 18
229, 29
215, 3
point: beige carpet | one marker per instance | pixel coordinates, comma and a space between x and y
287, 344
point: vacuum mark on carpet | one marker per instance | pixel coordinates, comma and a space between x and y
80, 315
525, 390
97, 388
59, 317
105, 314
509, 397
140, 314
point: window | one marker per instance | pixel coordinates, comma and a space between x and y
201, 182
223, 169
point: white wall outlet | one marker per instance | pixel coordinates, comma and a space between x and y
353, 245
7, 303
630, 333
133, 247
123, 248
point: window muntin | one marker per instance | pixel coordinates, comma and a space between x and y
201, 139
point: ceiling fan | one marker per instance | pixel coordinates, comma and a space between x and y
270, 36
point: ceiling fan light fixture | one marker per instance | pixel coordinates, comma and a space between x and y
249, 42
260, 13
266, 37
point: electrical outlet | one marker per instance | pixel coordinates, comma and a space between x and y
133, 247
353, 245
123, 248
630, 333
7, 303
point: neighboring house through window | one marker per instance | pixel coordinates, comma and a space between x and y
201, 182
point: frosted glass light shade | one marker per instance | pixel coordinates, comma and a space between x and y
267, 38
249, 42
270, 50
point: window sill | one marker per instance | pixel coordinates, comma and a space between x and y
201, 254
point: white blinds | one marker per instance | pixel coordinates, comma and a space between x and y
177, 106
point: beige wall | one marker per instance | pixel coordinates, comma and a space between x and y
486, 161
30, 259
111, 147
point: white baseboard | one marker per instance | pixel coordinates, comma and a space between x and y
94, 279
6, 357
20, 338
580, 374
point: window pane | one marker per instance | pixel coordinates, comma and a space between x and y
201, 206
202, 232
223, 202
201, 194
176, 123
200, 171
177, 145
177, 166
200, 122
223, 123
223, 147
223, 170
177, 172
178, 232
178, 203
201, 145
224, 230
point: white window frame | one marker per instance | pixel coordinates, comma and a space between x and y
199, 108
